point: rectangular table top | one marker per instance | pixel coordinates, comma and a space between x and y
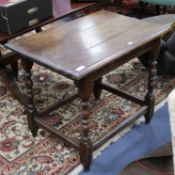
82, 46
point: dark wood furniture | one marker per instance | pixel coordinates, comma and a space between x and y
61, 8
84, 50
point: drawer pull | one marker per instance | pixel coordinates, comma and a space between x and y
33, 21
32, 10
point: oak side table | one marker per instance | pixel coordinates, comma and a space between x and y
84, 50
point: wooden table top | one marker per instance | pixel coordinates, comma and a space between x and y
61, 8
82, 46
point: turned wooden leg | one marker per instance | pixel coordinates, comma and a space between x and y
97, 90
31, 110
85, 90
150, 96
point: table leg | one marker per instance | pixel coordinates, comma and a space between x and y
85, 87
31, 110
150, 96
97, 89
14, 64
9, 80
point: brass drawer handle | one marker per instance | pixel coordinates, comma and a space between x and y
32, 10
33, 21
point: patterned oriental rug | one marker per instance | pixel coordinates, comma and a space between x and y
21, 154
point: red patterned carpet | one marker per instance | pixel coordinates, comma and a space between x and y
22, 154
